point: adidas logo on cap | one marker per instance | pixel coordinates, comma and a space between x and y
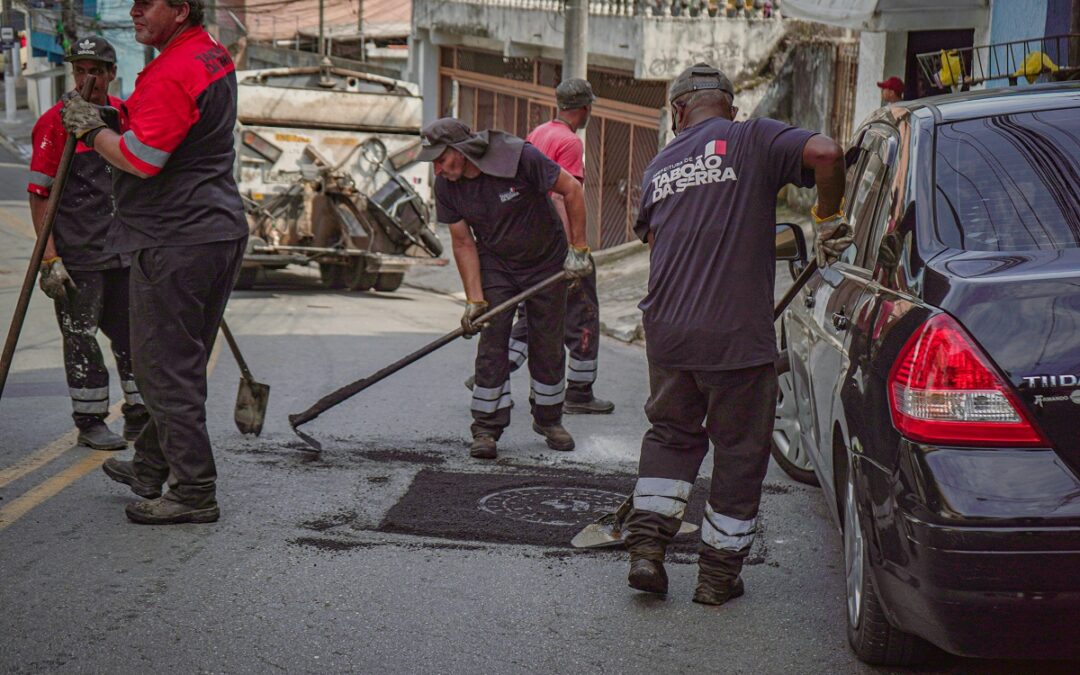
87, 47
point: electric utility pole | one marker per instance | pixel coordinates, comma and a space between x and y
575, 34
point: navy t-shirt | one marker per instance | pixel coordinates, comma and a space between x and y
515, 225
709, 199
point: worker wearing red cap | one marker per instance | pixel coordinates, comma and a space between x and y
892, 90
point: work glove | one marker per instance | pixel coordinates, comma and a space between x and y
831, 236
55, 280
473, 310
81, 118
578, 262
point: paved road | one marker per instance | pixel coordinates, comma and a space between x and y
390, 552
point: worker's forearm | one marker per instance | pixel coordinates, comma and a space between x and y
107, 144
38, 206
560, 208
575, 218
830, 187
468, 264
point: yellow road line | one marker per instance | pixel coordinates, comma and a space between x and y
18, 508
47, 454
52, 486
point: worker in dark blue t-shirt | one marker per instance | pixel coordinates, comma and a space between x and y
491, 189
708, 211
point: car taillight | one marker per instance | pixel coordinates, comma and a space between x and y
944, 390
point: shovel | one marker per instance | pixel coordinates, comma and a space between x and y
607, 530
252, 397
350, 390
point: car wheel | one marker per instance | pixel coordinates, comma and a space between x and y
787, 446
873, 639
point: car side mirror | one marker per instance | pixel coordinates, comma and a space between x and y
790, 242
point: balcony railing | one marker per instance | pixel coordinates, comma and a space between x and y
724, 9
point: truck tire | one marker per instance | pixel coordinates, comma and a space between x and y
431, 241
389, 281
357, 279
246, 279
333, 276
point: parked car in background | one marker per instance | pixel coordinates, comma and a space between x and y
931, 381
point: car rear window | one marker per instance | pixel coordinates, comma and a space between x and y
1010, 182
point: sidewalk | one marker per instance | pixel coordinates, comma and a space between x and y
15, 135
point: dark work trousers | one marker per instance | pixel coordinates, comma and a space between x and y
178, 296
582, 339
734, 409
99, 301
546, 313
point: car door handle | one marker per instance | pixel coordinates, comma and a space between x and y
839, 321
808, 299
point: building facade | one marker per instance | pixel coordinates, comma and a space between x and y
495, 64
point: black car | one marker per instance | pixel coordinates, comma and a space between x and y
931, 378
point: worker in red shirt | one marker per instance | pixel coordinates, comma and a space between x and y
182, 221
89, 286
559, 141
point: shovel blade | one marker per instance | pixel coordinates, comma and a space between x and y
251, 401
607, 531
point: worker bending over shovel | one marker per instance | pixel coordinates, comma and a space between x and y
491, 188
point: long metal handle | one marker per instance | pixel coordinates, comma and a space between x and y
350, 390
23, 302
799, 282
235, 348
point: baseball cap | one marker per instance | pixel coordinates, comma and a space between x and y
574, 93
441, 134
894, 83
697, 77
94, 48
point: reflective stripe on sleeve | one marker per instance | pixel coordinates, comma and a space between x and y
40, 179
548, 394
665, 496
581, 371
490, 399
152, 156
726, 533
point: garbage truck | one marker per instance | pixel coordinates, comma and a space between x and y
326, 165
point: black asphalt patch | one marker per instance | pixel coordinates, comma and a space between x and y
543, 509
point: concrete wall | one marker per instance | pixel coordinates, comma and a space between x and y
871, 67
653, 48
1012, 20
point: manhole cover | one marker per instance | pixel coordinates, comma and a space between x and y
546, 505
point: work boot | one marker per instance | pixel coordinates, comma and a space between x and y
593, 406
713, 592
99, 437
718, 575
647, 575
165, 511
124, 472
483, 447
557, 437
133, 425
